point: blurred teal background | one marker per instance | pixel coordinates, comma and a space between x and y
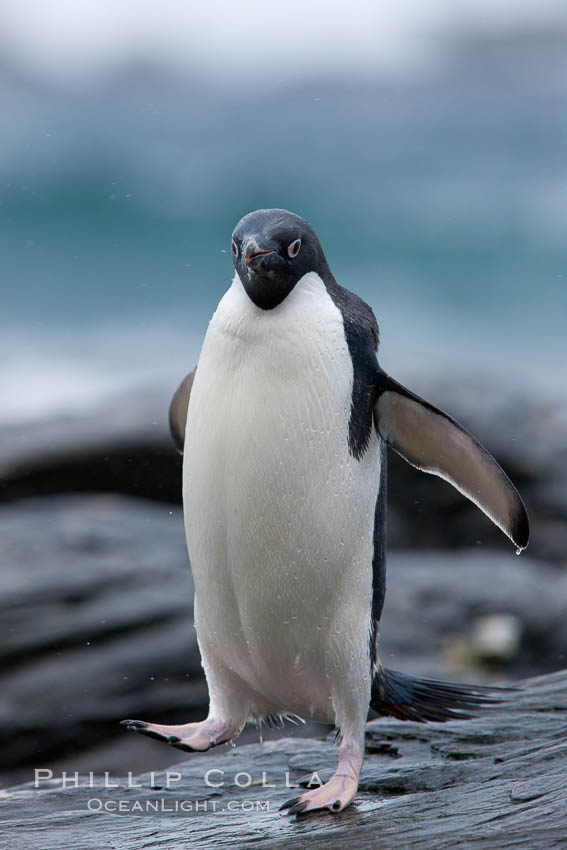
437, 185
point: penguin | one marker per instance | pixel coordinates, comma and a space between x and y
283, 427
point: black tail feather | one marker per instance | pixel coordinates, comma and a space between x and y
410, 698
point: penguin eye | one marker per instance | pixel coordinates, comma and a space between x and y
293, 248
234, 247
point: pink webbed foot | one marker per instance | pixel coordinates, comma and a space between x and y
336, 794
191, 737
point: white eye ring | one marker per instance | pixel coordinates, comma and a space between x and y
293, 248
234, 248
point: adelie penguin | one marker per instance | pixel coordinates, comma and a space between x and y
284, 426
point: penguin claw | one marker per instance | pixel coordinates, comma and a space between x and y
289, 803
142, 728
333, 796
298, 809
295, 806
133, 724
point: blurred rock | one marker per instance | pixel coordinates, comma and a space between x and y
121, 446
124, 447
497, 637
444, 609
96, 601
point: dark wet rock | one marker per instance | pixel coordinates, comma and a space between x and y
121, 446
124, 447
96, 604
498, 781
436, 603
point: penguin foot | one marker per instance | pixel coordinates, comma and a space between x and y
190, 737
335, 795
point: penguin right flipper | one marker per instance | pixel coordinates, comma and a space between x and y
432, 441
178, 410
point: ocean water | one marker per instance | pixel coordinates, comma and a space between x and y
442, 200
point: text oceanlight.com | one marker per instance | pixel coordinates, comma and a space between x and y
161, 805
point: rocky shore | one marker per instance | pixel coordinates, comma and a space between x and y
497, 782
97, 594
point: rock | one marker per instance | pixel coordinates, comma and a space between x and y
120, 446
497, 637
96, 598
498, 781
97, 609
436, 600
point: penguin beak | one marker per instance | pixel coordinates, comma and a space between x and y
254, 255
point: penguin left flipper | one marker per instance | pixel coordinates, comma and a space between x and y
432, 441
178, 410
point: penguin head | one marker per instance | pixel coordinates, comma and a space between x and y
271, 251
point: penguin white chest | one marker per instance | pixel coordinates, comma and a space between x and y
279, 515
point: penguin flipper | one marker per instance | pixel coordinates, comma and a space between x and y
178, 410
432, 441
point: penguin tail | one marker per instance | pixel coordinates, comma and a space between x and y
410, 698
